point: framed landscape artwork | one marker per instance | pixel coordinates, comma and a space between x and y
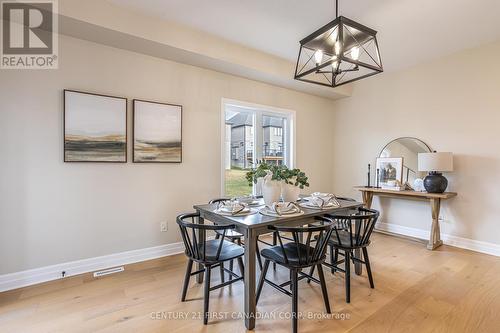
391, 170
95, 127
157, 132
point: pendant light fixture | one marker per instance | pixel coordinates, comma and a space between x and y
340, 52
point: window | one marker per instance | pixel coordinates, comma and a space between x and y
253, 133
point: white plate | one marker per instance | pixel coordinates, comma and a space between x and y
266, 211
245, 212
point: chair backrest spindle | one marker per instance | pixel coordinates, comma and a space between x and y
302, 238
364, 222
196, 246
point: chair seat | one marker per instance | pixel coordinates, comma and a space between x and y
345, 240
231, 234
275, 254
228, 251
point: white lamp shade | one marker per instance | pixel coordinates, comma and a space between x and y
441, 161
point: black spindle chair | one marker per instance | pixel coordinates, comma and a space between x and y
351, 232
308, 249
209, 253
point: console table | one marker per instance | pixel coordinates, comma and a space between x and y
434, 199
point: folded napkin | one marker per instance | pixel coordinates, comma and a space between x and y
281, 208
322, 195
323, 199
247, 200
232, 206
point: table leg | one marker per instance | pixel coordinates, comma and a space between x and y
250, 248
201, 235
435, 234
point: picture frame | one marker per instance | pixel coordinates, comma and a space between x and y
157, 132
390, 171
94, 127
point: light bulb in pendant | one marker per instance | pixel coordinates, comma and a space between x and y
355, 53
337, 47
334, 66
318, 56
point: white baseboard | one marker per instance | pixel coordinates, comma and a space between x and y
464, 243
53, 272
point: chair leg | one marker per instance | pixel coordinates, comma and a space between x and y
275, 242
186, 280
348, 276
222, 279
335, 258
206, 297
259, 259
295, 289
242, 267
368, 268
323, 288
332, 260
231, 263
311, 272
231, 267
261, 280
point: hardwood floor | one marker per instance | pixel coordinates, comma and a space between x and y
416, 290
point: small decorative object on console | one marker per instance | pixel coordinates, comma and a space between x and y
418, 185
391, 171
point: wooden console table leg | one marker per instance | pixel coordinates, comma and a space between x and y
435, 234
367, 199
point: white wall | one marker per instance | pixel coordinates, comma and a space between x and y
452, 104
53, 212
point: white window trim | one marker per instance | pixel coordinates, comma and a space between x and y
265, 110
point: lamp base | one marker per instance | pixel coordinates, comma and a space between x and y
435, 182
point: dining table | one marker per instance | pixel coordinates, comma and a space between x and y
253, 225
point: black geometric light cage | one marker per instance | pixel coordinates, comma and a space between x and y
342, 51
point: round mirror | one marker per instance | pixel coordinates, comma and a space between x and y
407, 148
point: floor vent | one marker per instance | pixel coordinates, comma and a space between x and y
109, 271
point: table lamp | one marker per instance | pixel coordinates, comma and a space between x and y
435, 163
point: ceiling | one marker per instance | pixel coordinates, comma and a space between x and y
409, 31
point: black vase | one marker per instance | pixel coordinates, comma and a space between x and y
435, 182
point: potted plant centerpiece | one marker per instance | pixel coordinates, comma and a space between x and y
268, 176
276, 181
256, 176
294, 181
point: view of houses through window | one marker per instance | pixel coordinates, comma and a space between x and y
253, 135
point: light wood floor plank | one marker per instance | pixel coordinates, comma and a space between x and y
447, 290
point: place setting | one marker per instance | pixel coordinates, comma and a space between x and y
237, 207
319, 200
282, 209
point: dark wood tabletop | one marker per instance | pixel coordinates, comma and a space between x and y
258, 220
